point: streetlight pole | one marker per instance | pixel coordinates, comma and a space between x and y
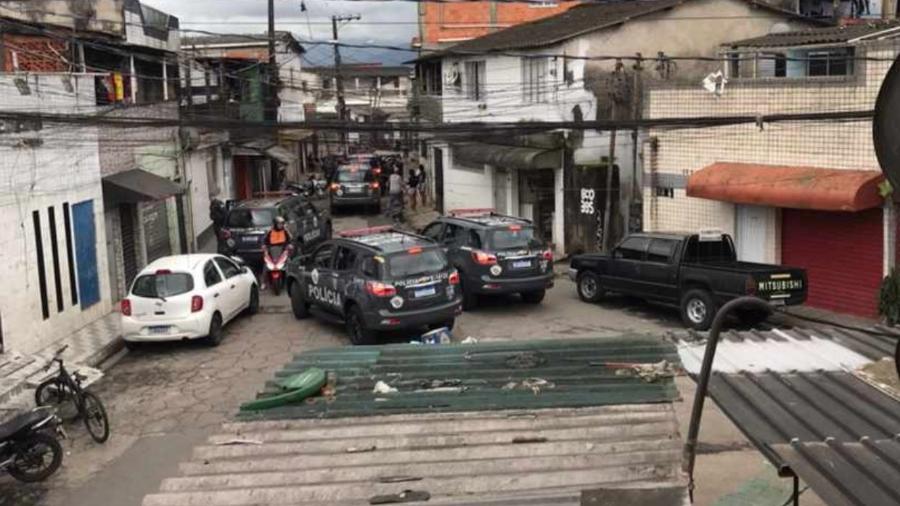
338, 77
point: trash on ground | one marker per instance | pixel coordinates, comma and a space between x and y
361, 449
647, 372
240, 441
437, 336
533, 384
405, 496
383, 388
469, 340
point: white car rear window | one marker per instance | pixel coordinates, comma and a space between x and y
163, 285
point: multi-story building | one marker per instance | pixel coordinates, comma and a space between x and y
581, 187
443, 24
801, 193
231, 79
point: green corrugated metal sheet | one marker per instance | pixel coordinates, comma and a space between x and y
483, 373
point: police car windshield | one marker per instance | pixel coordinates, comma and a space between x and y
357, 175
406, 265
154, 286
250, 218
513, 237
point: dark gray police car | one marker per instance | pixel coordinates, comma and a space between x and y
376, 279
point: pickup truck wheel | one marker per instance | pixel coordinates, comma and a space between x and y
299, 306
589, 289
698, 309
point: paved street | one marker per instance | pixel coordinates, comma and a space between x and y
163, 399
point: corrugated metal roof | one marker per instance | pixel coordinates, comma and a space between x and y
775, 350
477, 377
863, 473
794, 394
828, 35
498, 457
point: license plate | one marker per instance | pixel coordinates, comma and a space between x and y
425, 292
159, 330
249, 239
521, 264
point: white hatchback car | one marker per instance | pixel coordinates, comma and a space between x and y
187, 297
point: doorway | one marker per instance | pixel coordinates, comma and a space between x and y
752, 231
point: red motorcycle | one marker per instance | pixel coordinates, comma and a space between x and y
275, 258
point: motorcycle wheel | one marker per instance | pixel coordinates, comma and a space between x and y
31, 463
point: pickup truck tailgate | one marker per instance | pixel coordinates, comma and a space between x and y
781, 285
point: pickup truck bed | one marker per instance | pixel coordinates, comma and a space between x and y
462, 427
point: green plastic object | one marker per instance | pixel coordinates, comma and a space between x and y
296, 388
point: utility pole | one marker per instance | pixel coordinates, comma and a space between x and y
272, 95
339, 79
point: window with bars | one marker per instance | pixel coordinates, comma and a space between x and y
474, 77
534, 79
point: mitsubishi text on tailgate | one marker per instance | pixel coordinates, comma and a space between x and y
699, 272
376, 279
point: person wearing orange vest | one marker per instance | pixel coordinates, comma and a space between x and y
277, 236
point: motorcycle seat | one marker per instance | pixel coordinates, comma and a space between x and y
21, 421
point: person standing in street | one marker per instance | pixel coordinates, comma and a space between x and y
217, 214
395, 190
422, 187
413, 185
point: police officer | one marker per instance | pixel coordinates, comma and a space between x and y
278, 237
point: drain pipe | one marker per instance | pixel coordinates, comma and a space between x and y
690, 445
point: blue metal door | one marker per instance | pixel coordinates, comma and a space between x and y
86, 252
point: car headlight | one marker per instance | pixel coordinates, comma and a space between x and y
496, 270
397, 302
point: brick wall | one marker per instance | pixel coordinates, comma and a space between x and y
34, 53
446, 22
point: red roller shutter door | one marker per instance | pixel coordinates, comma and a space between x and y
842, 254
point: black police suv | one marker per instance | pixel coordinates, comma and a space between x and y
356, 184
246, 224
376, 279
494, 254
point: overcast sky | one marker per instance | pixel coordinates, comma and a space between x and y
384, 23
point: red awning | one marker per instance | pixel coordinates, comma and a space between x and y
785, 186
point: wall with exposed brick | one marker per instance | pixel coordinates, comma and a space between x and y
445, 22
29, 53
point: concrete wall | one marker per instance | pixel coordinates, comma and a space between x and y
88, 15
135, 34
829, 145
44, 168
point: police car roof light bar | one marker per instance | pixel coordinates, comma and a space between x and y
359, 232
475, 211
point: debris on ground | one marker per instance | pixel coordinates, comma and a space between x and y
520, 440
361, 449
240, 441
882, 375
437, 336
533, 384
648, 372
405, 496
469, 340
383, 388
398, 479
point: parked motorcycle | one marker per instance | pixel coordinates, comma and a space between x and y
29, 448
275, 258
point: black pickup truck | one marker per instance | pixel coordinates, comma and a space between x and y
699, 272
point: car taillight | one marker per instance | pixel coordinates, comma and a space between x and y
126, 307
547, 255
379, 289
454, 278
482, 258
225, 234
374, 185
196, 303
335, 187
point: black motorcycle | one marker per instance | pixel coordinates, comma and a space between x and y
29, 449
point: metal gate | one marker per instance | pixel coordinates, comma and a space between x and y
155, 221
129, 244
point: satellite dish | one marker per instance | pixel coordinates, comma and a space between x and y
886, 126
